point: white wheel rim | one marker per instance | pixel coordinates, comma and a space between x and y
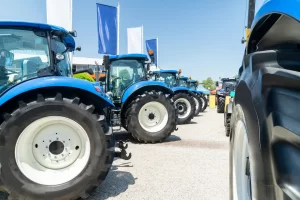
203, 102
35, 150
153, 116
188, 107
240, 153
197, 103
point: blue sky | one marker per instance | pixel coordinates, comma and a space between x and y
202, 37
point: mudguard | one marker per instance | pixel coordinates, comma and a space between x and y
179, 88
196, 91
143, 84
56, 81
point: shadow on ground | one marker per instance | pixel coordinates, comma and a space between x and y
115, 183
191, 123
123, 135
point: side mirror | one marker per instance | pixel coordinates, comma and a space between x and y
106, 61
78, 48
90, 71
73, 33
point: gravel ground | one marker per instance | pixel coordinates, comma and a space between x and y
191, 165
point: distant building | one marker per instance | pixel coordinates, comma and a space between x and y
81, 63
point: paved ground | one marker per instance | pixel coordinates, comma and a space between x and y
191, 165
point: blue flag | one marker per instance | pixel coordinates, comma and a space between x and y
152, 44
107, 29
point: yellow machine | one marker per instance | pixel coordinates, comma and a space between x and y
212, 101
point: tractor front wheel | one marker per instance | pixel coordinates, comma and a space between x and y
198, 104
221, 104
151, 117
54, 148
204, 102
186, 107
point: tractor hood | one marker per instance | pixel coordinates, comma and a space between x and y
272, 18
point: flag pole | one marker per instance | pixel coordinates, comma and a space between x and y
118, 25
142, 38
157, 52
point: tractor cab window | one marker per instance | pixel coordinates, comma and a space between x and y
168, 78
23, 52
182, 83
193, 86
229, 85
58, 47
124, 73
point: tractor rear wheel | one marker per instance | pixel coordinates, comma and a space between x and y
54, 148
198, 104
151, 117
186, 107
221, 104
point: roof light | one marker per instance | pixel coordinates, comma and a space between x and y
150, 52
179, 71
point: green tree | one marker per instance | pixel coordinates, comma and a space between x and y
236, 76
209, 83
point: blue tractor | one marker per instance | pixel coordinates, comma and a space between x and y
55, 139
193, 85
144, 108
183, 98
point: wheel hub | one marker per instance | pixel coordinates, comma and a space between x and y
56, 147
153, 116
182, 108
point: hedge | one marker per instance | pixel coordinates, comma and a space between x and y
84, 76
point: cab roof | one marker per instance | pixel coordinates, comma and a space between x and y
129, 56
165, 71
183, 78
68, 38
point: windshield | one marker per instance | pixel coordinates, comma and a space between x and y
168, 78
229, 85
193, 86
182, 83
22, 53
123, 73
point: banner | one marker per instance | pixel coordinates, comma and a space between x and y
135, 40
59, 13
152, 44
107, 24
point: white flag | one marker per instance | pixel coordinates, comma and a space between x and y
135, 40
59, 13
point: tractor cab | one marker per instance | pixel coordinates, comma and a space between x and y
193, 84
31, 50
183, 81
227, 85
124, 71
169, 77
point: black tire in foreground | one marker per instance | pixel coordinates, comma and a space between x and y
204, 103
151, 117
186, 107
221, 104
97, 164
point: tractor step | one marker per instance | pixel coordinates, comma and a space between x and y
122, 154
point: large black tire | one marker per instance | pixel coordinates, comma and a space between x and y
204, 103
186, 119
200, 104
221, 104
101, 148
132, 121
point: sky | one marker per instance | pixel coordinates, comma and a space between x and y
201, 37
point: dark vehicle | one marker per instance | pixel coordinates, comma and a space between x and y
228, 85
265, 136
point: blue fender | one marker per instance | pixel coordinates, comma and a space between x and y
196, 91
290, 8
180, 88
143, 84
54, 81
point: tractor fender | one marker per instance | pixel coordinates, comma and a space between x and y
144, 85
55, 81
196, 91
